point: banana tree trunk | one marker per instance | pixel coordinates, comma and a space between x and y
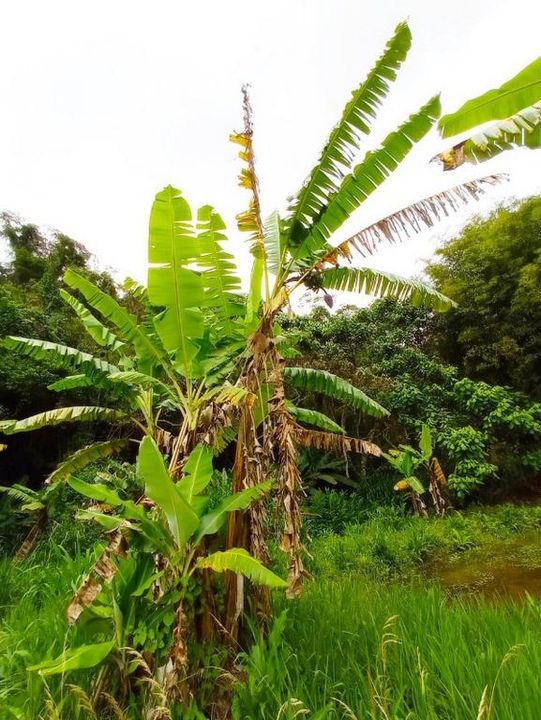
175, 679
289, 477
419, 507
437, 481
254, 460
246, 529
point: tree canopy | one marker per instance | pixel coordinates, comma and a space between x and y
493, 268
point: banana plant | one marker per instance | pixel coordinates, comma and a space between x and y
149, 362
153, 397
205, 353
288, 253
136, 606
298, 251
408, 460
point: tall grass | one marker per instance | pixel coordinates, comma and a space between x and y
353, 650
385, 651
365, 643
33, 626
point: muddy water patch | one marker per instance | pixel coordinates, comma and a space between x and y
504, 570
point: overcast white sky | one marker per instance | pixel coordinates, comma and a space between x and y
106, 102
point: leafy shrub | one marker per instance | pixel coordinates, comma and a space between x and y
331, 511
466, 448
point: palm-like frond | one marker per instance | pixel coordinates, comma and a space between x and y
366, 177
135, 289
521, 130
339, 150
384, 285
29, 499
126, 324
412, 219
69, 357
97, 330
325, 382
83, 457
80, 413
521, 91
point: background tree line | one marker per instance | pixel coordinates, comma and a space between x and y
473, 374
31, 306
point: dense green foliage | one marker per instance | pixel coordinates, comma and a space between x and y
390, 544
31, 306
484, 434
493, 269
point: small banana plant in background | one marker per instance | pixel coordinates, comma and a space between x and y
408, 461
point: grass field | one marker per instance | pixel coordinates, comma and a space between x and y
350, 649
370, 638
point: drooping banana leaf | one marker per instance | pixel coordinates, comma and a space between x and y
96, 491
521, 130
411, 219
79, 658
69, 357
71, 382
97, 330
83, 457
240, 561
57, 416
325, 382
307, 416
384, 285
130, 331
521, 91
